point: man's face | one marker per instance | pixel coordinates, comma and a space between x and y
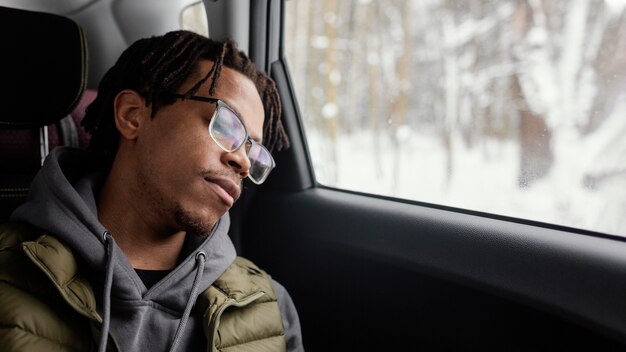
183, 174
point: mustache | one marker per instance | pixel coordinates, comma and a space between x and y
230, 175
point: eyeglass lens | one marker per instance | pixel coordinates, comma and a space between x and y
227, 130
261, 162
230, 134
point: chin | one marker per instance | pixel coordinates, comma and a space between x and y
198, 224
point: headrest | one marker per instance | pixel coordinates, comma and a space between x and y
43, 67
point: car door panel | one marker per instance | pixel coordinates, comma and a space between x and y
382, 268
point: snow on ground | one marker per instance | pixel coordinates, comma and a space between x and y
484, 178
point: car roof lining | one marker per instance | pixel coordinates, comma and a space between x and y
111, 26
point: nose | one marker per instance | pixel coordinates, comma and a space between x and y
238, 161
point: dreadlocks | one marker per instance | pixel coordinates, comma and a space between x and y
156, 67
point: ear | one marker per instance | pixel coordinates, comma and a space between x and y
130, 113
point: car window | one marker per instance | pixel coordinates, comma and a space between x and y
508, 107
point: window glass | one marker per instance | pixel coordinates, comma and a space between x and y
509, 107
193, 18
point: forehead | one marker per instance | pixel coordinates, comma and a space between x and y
236, 90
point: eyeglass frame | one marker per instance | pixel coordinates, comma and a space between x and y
220, 103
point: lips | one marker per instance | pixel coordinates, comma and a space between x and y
226, 189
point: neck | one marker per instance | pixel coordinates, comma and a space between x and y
145, 239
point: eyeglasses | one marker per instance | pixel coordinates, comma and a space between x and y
230, 134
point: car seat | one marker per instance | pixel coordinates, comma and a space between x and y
43, 70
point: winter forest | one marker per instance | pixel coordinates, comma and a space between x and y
510, 107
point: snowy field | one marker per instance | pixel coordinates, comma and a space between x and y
485, 178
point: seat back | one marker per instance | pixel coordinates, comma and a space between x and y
43, 66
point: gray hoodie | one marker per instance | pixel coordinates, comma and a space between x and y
62, 200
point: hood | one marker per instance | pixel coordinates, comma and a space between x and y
62, 201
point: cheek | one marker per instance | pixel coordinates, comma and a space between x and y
181, 153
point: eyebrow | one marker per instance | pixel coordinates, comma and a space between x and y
230, 106
215, 100
233, 108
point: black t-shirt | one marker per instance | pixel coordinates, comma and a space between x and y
151, 277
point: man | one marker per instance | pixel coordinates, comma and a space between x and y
125, 246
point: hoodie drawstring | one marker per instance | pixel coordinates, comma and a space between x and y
200, 259
106, 298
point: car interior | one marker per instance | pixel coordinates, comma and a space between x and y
366, 272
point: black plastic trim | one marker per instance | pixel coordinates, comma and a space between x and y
576, 276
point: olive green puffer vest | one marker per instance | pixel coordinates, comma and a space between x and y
241, 312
